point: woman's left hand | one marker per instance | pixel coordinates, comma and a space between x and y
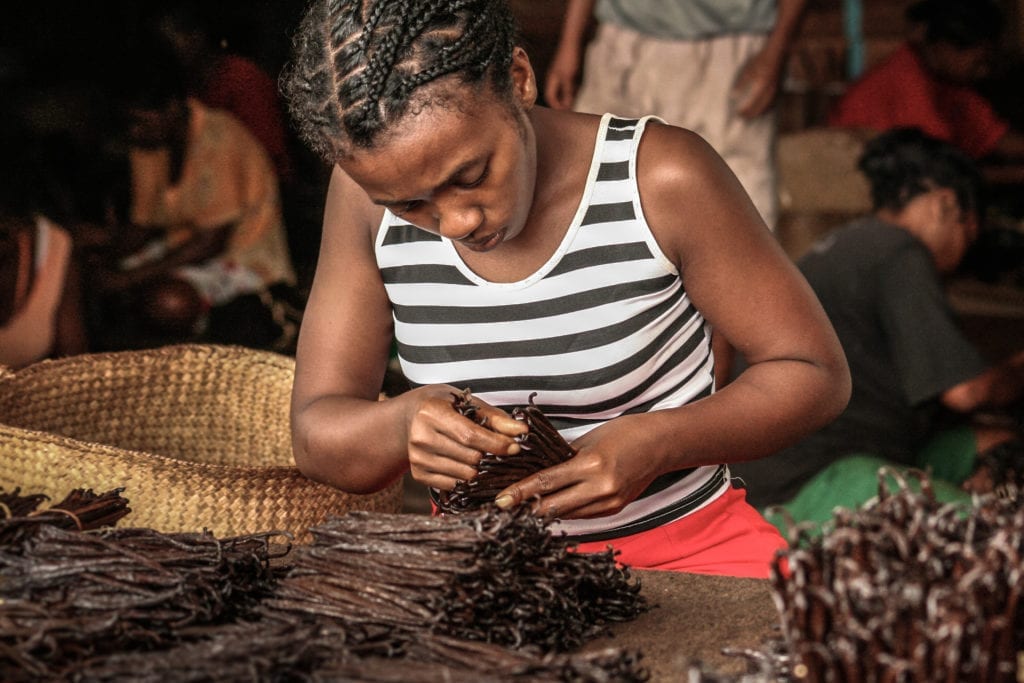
608, 471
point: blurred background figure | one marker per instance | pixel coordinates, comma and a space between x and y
918, 381
205, 227
929, 82
222, 79
41, 312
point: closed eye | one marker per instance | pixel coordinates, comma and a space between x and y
405, 208
473, 183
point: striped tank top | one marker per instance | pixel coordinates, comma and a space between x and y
604, 328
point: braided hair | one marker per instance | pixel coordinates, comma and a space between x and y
358, 66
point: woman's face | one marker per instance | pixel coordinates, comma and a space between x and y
464, 169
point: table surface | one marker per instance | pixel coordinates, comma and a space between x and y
692, 619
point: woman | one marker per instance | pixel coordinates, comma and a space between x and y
513, 249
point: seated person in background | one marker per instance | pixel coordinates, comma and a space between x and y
40, 305
927, 82
879, 280
224, 80
206, 223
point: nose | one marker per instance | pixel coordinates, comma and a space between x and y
459, 221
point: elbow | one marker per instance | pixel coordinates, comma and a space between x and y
842, 390
837, 388
334, 469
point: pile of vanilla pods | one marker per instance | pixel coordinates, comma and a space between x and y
489, 596
68, 593
540, 447
904, 589
81, 509
319, 650
489, 576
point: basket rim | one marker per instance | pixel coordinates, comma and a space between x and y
144, 458
167, 352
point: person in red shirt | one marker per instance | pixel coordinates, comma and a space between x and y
927, 82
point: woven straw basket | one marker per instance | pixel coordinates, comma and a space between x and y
197, 435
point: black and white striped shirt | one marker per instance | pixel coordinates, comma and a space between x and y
604, 328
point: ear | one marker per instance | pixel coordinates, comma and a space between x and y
524, 82
948, 205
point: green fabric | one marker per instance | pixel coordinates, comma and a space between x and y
950, 455
852, 481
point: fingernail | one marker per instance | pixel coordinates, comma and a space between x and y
513, 449
503, 501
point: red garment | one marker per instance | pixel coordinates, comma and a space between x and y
244, 89
900, 91
727, 537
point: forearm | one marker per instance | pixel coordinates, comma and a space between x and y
787, 24
354, 444
574, 26
998, 386
771, 405
181, 247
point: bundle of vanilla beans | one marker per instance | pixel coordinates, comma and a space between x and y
904, 589
81, 509
320, 650
489, 575
68, 595
485, 596
540, 447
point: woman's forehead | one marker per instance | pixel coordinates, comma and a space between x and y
423, 151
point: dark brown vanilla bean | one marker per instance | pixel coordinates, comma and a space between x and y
541, 447
69, 595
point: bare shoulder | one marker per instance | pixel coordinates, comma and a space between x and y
690, 196
675, 159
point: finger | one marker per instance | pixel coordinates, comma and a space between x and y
460, 436
541, 483
503, 423
460, 463
438, 481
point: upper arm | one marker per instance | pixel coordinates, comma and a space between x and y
346, 330
731, 265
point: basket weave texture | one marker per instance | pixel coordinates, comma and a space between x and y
198, 436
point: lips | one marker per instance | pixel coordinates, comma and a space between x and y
487, 243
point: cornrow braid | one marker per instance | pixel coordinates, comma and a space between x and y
357, 65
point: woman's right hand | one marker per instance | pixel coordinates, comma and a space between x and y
445, 447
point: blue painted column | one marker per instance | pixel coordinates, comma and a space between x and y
853, 30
